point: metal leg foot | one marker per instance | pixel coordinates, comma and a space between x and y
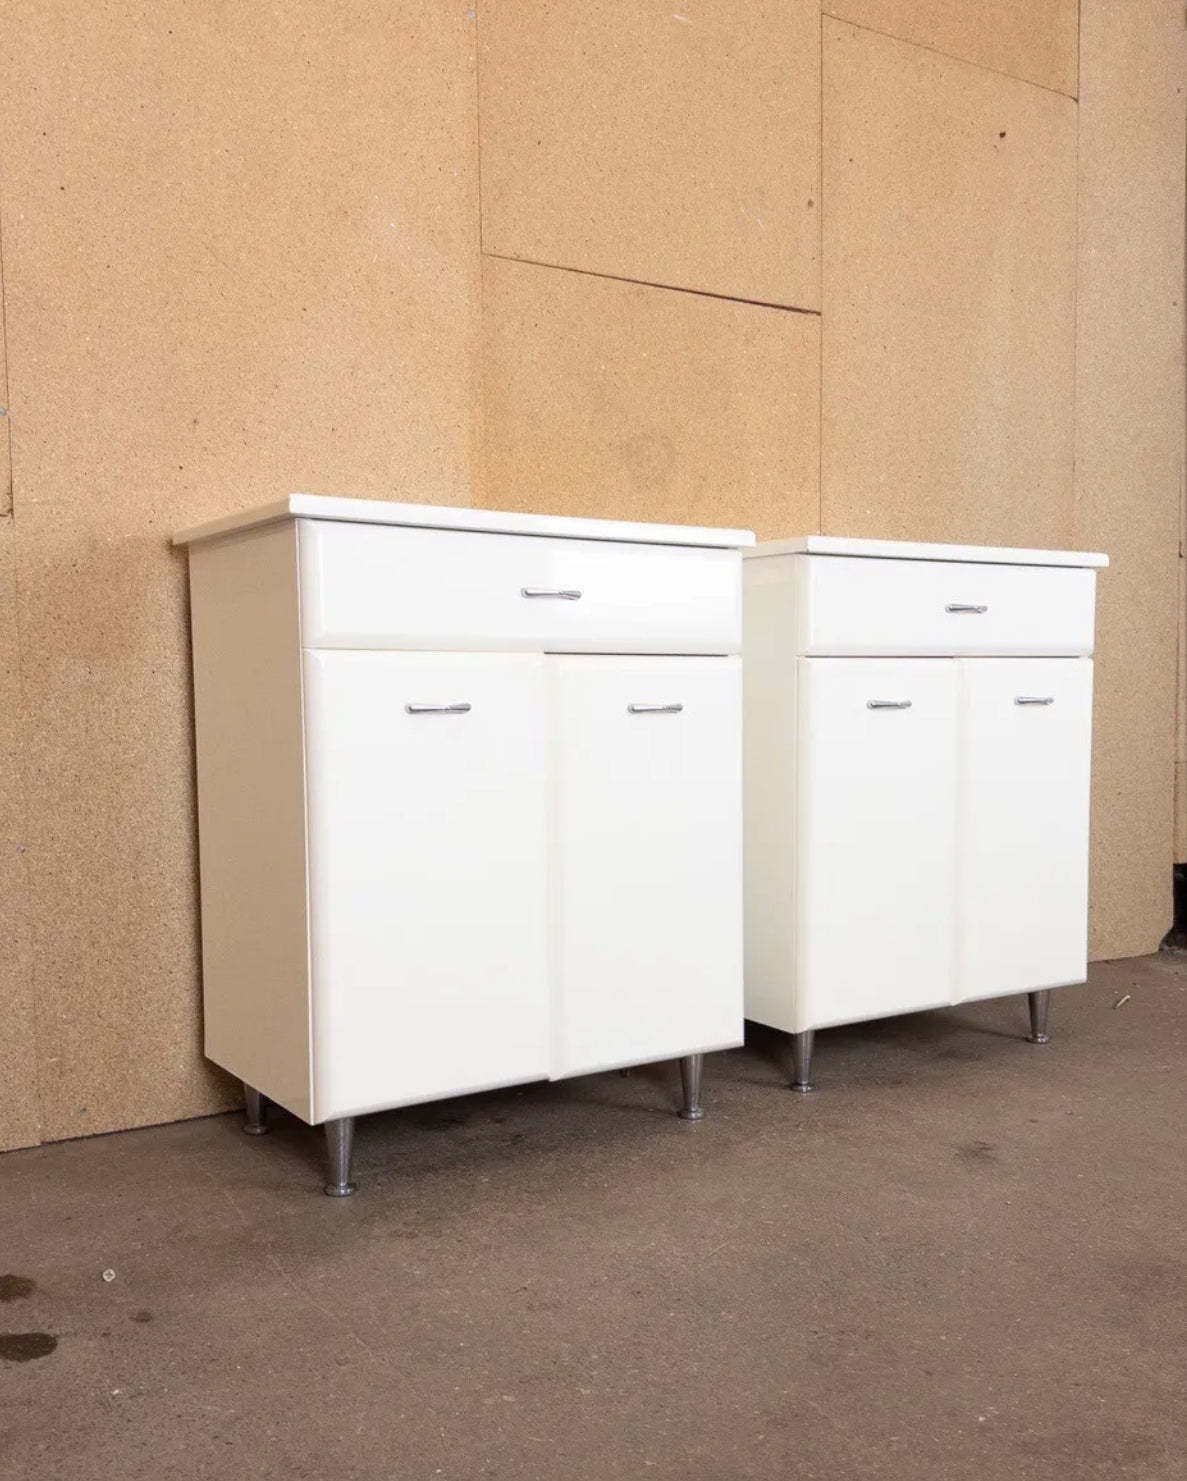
801, 1061
690, 1084
255, 1122
339, 1147
1039, 1003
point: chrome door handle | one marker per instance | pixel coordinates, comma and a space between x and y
888, 704
460, 709
654, 709
1035, 699
564, 594
964, 607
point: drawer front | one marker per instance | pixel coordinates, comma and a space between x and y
364, 586
856, 606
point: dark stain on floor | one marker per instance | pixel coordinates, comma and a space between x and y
16, 1287
25, 1347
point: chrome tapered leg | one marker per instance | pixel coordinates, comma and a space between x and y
1039, 1003
339, 1147
801, 1061
691, 1067
255, 1122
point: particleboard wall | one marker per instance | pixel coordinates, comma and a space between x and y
20, 1116
242, 256
1181, 707
670, 144
1181, 712
5, 440
949, 298
1129, 444
643, 403
1034, 40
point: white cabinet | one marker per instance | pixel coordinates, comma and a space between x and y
916, 807
470, 801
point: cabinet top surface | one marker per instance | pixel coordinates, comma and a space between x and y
906, 550
449, 517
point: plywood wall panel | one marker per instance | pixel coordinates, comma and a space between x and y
609, 399
672, 144
949, 292
5, 441
1035, 40
1180, 843
241, 258
1129, 445
20, 1120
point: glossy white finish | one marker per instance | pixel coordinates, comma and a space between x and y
368, 587
1023, 837
902, 858
875, 891
447, 517
919, 551
428, 876
647, 876
439, 853
848, 606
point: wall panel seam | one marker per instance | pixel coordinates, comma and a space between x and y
8, 497
477, 481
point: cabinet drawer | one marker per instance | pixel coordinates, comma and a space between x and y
850, 606
364, 586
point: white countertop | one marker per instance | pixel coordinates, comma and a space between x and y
905, 550
449, 517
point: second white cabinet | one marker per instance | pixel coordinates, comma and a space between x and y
917, 812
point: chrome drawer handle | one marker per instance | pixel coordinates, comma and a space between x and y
1035, 699
964, 607
462, 709
654, 709
564, 594
888, 704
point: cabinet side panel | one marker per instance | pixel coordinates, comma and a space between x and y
771, 590
251, 811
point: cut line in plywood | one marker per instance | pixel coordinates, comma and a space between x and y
1035, 41
652, 144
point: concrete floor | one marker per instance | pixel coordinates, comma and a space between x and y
963, 1258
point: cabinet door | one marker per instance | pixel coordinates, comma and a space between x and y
647, 868
1023, 824
428, 875
876, 802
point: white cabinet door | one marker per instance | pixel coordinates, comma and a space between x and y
876, 802
647, 838
428, 875
1023, 824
